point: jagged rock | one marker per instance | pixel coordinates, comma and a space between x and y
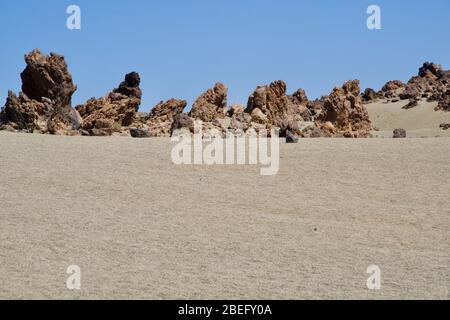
444, 101
181, 121
329, 128
344, 109
430, 70
291, 137
392, 85
413, 102
235, 109
299, 97
44, 105
258, 116
140, 133
241, 122
369, 95
211, 105
161, 117
275, 104
47, 76
445, 126
118, 107
399, 133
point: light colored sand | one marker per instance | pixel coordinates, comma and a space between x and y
420, 121
141, 227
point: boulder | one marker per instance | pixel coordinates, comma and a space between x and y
44, 105
291, 137
369, 95
181, 121
140, 133
344, 109
273, 102
399, 133
161, 117
118, 107
211, 105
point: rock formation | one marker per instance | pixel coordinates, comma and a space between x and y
271, 108
432, 83
211, 105
44, 105
117, 109
162, 116
344, 109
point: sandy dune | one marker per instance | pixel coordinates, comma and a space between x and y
141, 227
420, 121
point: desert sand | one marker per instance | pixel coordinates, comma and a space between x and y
141, 227
421, 121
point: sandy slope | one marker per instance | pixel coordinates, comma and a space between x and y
420, 121
141, 227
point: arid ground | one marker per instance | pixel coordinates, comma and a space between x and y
141, 227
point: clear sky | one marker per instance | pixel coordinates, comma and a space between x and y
182, 47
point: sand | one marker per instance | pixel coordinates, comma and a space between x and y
140, 227
421, 121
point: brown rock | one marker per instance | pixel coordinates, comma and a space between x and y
273, 102
182, 120
345, 110
210, 105
258, 116
369, 95
118, 107
162, 116
45, 103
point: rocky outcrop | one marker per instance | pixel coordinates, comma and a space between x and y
117, 109
432, 83
369, 95
210, 105
391, 89
271, 105
344, 109
44, 105
162, 116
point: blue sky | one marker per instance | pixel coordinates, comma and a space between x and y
182, 47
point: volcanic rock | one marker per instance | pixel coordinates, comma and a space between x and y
291, 138
161, 117
369, 95
44, 105
399, 133
118, 107
275, 104
344, 109
210, 105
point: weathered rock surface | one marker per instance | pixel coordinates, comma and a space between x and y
369, 95
161, 117
44, 105
399, 133
118, 108
431, 83
211, 105
344, 109
280, 110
